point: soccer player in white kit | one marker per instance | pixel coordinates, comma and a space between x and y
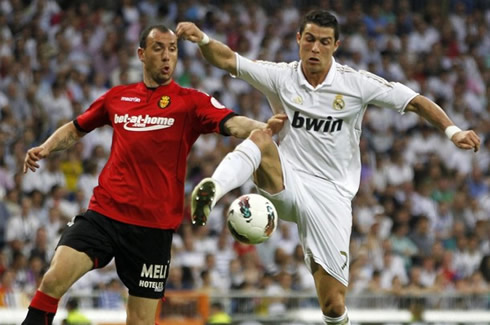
313, 175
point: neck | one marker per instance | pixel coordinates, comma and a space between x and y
152, 83
315, 78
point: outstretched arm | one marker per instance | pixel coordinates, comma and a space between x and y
63, 138
215, 52
241, 126
430, 111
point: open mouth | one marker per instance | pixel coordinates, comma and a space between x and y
314, 60
165, 70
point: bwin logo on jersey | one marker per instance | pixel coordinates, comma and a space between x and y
329, 124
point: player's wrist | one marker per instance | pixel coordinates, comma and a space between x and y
451, 131
205, 40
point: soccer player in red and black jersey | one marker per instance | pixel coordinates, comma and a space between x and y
138, 203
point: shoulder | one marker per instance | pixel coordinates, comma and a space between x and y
363, 76
284, 66
191, 93
193, 97
345, 69
279, 65
120, 89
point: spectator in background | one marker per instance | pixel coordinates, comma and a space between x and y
21, 228
58, 198
9, 293
49, 176
72, 168
4, 216
393, 266
74, 316
38, 206
428, 272
472, 256
217, 282
43, 246
402, 245
88, 179
177, 281
58, 105
112, 295
217, 315
422, 237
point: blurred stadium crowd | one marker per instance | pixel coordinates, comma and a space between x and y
421, 217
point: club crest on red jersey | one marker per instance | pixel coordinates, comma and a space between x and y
164, 102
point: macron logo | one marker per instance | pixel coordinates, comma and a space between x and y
143, 123
131, 99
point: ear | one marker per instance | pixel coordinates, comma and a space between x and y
141, 54
337, 44
298, 37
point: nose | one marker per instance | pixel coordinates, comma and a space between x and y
316, 47
165, 55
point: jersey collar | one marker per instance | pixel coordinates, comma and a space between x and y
328, 79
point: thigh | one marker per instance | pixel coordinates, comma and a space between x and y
141, 310
324, 225
142, 259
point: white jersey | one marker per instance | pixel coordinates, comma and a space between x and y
322, 138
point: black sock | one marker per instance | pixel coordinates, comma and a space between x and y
38, 317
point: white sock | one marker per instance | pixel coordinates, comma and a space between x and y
237, 167
342, 320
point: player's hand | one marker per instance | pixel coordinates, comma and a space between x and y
276, 122
189, 31
466, 140
33, 155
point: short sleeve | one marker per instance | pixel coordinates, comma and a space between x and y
211, 115
262, 75
95, 116
266, 77
377, 91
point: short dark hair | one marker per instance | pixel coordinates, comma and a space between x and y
321, 18
147, 30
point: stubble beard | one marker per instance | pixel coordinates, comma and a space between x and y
159, 78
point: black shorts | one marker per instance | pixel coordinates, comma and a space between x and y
142, 254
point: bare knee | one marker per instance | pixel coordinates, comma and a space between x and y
67, 266
141, 311
334, 305
51, 284
262, 139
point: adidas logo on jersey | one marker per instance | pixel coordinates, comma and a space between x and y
329, 124
143, 123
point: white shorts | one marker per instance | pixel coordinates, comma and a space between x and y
323, 216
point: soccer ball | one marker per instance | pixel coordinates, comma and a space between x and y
252, 219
